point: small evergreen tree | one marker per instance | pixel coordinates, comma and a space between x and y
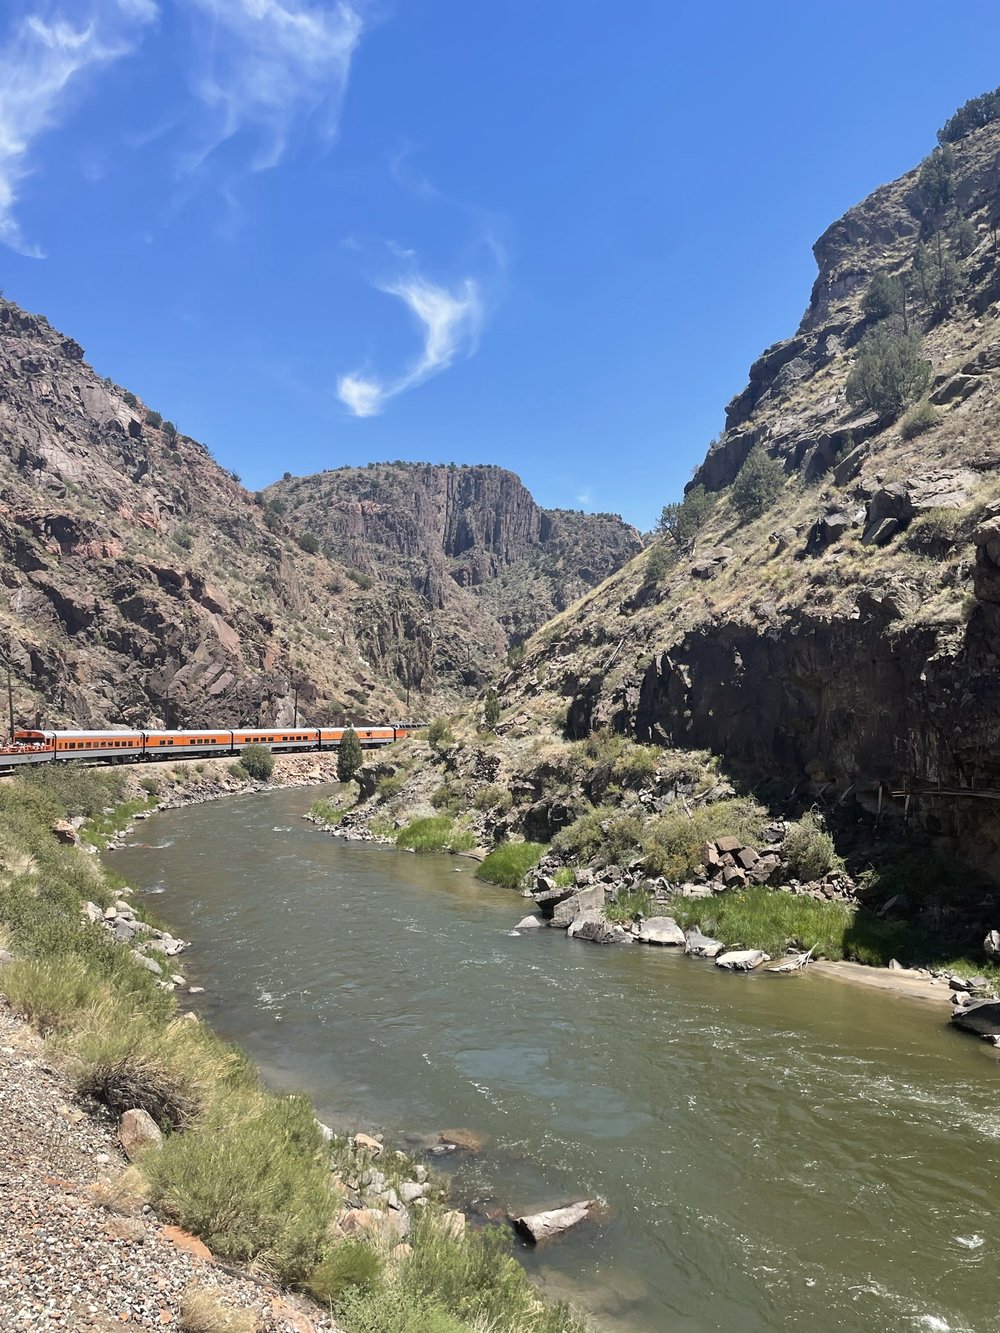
491, 710
682, 520
349, 755
758, 483
309, 542
890, 372
885, 297
153, 419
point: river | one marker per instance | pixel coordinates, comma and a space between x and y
777, 1152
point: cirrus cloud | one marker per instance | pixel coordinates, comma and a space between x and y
450, 320
264, 65
41, 66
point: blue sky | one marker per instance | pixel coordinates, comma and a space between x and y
549, 234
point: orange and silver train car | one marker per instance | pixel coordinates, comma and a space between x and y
38, 746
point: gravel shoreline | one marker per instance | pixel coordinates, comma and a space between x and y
70, 1263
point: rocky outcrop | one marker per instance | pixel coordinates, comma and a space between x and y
846, 642
140, 584
472, 561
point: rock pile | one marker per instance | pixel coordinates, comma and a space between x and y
122, 922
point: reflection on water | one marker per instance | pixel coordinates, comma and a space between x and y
778, 1152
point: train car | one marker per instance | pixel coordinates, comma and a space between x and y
279, 738
119, 745
167, 745
27, 747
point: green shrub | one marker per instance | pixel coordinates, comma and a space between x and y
391, 1309
309, 543
565, 877
934, 531
758, 484
151, 786
808, 850
659, 561
673, 842
439, 734
510, 862
170, 430
921, 417
352, 1264
604, 833
491, 710
447, 796
635, 764
249, 1179
972, 115
390, 786
258, 761
493, 797
890, 371
885, 297
130, 399
237, 771
153, 419
364, 581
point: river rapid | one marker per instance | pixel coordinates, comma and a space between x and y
776, 1152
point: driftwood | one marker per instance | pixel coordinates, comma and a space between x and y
793, 964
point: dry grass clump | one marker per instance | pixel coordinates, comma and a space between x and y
51, 993
125, 1194
202, 1312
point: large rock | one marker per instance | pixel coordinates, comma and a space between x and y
553, 1222
137, 1131
585, 900
991, 945
742, 960
530, 922
593, 925
701, 946
660, 930
981, 1017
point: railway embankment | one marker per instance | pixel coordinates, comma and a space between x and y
150, 1176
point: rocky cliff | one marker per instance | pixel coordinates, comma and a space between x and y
483, 565
845, 635
141, 583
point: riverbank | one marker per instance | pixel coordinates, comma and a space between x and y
249, 1171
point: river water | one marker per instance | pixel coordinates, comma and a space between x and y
776, 1152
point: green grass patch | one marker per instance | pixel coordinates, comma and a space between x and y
565, 877
326, 812
510, 862
768, 919
627, 906
102, 828
672, 842
435, 833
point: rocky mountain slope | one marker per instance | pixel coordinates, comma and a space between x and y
841, 633
486, 566
141, 583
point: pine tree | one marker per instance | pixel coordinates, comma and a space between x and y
349, 756
491, 710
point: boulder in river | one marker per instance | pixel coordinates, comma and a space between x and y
979, 1016
530, 922
701, 946
567, 911
593, 925
660, 930
742, 960
537, 1227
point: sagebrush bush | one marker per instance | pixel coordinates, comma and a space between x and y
351, 1264
922, 416
509, 863
390, 786
493, 797
249, 1179
440, 735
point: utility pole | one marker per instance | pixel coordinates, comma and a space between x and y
10, 702
295, 706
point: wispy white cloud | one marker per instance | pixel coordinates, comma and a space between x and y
41, 66
450, 322
265, 65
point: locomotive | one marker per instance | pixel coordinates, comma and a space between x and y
37, 747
